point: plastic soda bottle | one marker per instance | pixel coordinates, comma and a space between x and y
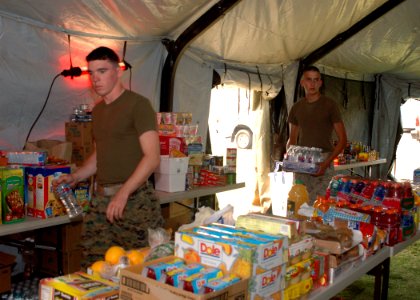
64, 192
297, 196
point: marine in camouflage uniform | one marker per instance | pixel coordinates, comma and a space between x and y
315, 185
125, 155
131, 232
313, 120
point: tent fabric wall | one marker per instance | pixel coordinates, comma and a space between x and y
386, 121
27, 73
192, 91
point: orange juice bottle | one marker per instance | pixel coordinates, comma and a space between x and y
298, 195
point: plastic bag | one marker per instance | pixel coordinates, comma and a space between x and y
206, 215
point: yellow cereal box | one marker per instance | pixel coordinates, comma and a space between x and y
12, 195
78, 286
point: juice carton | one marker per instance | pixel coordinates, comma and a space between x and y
226, 254
195, 282
12, 195
235, 256
155, 271
282, 240
42, 202
268, 285
271, 252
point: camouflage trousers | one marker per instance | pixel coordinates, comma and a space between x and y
98, 234
316, 185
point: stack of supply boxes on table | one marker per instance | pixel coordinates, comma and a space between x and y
26, 191
389, 204
26, 187
259, 257
184, 165
304, 269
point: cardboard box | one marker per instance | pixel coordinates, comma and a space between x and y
12, 195
42, 202
260, 257
6, 264
172, 165
135, 286
270, 224
81, 136
54, 148
178, 208
170, 182
77, 286
80, 154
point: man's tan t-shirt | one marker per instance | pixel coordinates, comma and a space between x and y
316, 122
116, 129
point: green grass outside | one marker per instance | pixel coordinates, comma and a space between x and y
404, 279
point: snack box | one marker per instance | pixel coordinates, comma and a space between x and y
77, 286
27, 158
301, 250
268, 251
135, 286
298, 290
281, 241
168, 143
320, 268
232, 255
12, 200
42, 202
268, 285
270, 224
299, 272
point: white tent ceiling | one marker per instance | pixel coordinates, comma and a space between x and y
263, 34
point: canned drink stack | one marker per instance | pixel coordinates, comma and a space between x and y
64, 192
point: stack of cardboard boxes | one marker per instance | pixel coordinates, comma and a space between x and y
80, 135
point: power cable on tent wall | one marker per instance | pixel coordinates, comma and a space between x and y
72, 72
42, 110
126, 64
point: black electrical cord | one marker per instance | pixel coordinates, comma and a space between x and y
126, 64
42, 110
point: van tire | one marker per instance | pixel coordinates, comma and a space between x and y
243, 139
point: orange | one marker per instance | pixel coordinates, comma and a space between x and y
113, 254
98, 266
135, 257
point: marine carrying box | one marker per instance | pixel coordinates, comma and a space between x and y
135, 286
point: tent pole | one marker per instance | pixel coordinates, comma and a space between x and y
176, 48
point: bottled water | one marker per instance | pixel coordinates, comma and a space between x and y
65, 194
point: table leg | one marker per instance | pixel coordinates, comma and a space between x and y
377, 273
385, 278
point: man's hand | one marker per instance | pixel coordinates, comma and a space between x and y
66, 178
116, 206
322, 168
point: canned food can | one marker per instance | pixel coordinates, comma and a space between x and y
218, 160
230, 178
231, 152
